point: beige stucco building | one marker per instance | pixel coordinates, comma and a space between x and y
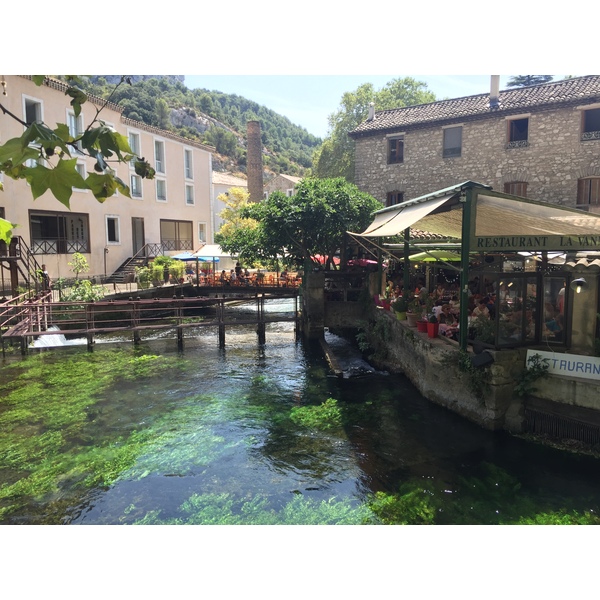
173, 210
541, 142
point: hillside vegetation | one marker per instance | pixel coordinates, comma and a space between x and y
214, 118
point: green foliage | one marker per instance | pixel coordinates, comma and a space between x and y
400, 305
47, 416
79, 264
324, 416
82, 290
335, 157
523, 80
289, 145
485, 329
477, 377
535, 368
311, 222
412, 505
226, 509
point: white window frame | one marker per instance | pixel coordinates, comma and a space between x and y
164, 182
133, 177
40, 103
77, 130
188, 163
202, 228
446, 150
395, 137
160, 165
131, 135
81, 168
189, 194
117, 221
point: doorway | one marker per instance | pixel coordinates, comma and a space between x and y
137, 234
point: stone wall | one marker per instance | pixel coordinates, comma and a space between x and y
551, 164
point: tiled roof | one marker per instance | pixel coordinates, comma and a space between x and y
221, 178
567, 91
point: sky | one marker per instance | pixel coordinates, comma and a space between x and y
308, 100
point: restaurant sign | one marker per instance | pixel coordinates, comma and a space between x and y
535, 242
569, 365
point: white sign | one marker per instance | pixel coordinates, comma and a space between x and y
570, 365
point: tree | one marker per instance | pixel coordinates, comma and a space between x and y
312, 222
42, 156
335, 157
523, 80
162, 114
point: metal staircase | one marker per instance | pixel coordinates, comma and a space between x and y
127, 271
18, 268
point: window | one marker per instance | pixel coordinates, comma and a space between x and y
591, 124
112, 230
136, 186
161, 190
518, 132
394, 198
452, 142
588, 193
176, 235
58, 233
189, 194
32, 110
187, 158
395, 150
516, 188
134, 144
75, 125
202, 232
159, 156
289, 193
80, 168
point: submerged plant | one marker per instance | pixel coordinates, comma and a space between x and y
324, 416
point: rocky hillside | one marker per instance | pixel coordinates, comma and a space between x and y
213, 118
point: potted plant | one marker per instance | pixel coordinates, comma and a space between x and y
433, 326
400, 306
414, 312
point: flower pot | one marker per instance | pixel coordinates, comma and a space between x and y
433, 330
401, 316
422, 326
412, 319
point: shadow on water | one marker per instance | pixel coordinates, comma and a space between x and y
234, 435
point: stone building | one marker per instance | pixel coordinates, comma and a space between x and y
541, 142
282, 183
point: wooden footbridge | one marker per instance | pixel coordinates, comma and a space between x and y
24, 319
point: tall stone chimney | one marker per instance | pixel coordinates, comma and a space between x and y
254, 162
495, 92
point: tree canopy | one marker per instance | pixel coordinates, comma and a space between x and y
335, 157
296, 228
523, 80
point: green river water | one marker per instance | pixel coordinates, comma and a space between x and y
263, 435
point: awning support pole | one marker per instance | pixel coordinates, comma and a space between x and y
464, 271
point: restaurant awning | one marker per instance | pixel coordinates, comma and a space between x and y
498, 222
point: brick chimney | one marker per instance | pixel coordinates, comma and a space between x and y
254, 161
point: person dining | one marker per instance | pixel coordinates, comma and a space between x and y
448, 322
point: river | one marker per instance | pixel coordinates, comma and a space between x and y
251, 434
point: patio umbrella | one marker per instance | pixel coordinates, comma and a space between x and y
435, 256
323, 259
184, 256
